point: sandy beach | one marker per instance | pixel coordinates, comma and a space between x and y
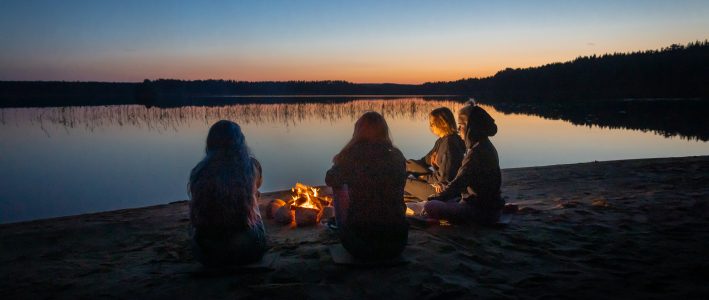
619, 229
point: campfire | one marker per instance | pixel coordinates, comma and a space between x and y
306, 206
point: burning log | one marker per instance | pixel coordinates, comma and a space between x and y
284, 215
306, 207
305, 216
273, 206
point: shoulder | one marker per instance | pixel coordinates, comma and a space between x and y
397, 154
256, 164
380, 153
197, 171
487, 147
453, 140
350, 155
485, 151
457, 140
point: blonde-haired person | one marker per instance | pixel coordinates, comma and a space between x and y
371, 221
437, 168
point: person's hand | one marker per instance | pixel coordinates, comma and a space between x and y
437, 187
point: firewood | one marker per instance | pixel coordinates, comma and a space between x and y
307, 216
273, 206
284, 215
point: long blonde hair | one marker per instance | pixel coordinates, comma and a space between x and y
371, 128
442, 120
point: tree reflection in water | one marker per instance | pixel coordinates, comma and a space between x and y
683, 118
172, 119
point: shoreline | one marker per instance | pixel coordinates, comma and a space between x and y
278, 192
627, 228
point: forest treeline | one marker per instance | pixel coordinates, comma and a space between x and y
677, 71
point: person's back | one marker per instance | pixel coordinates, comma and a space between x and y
484, 190
227, 226
375, 173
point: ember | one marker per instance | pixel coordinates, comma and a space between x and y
305, 207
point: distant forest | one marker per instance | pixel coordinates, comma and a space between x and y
677, 71
673, 72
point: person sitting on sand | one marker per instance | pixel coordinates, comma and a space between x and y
445, 157
478, 179
224, 212
371, 221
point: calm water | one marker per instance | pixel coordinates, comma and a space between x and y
64, 161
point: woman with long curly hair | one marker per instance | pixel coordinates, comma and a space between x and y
223, 191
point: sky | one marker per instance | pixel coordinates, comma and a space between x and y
358, 41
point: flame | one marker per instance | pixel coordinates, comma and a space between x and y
308, 196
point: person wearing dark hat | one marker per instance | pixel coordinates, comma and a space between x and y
478, 179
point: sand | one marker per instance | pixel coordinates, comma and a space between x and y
631, 229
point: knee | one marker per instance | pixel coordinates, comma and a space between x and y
433, 208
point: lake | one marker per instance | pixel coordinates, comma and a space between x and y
71, 160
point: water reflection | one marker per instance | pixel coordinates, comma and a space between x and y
62, 161
172, 119
684, 118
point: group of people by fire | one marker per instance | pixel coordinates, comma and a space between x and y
458, 180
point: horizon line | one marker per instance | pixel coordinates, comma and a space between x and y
697, 41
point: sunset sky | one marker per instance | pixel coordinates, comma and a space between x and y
359, 41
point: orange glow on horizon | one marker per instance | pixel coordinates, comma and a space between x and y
403, 66
413, 68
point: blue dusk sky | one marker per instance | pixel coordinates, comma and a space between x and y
359, 41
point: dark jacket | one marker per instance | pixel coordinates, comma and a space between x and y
375, 225
221, 233
478, 179
449, 152
375, 175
